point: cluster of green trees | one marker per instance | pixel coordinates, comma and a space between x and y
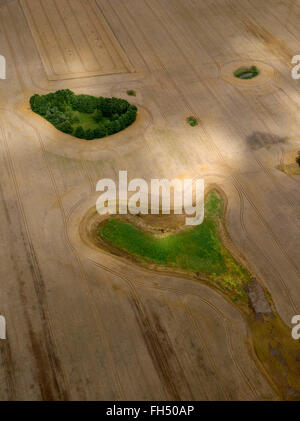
65, 110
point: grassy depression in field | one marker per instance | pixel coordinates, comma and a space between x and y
84, 116
199, 249
247, 72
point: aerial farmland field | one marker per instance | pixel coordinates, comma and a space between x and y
140, 306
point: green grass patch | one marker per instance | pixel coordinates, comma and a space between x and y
199, 249
87, 121
246, 72
192, 121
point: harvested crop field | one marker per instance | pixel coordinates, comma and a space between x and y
83, 323
74, 39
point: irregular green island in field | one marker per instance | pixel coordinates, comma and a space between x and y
84, 116
199, 249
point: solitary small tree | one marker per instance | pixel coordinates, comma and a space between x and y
298, 159
192, 121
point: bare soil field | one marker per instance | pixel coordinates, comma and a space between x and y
81, 322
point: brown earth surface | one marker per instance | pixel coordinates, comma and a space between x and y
81, 323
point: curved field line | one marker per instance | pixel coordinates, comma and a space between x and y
239, 186
10, 379
80, 265
59, 377
208, 143
262, 252
267, 171
218, 152
214, 147
82, 273
180, 292
136, 299
210, 356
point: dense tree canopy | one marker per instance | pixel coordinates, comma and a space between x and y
84, 116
